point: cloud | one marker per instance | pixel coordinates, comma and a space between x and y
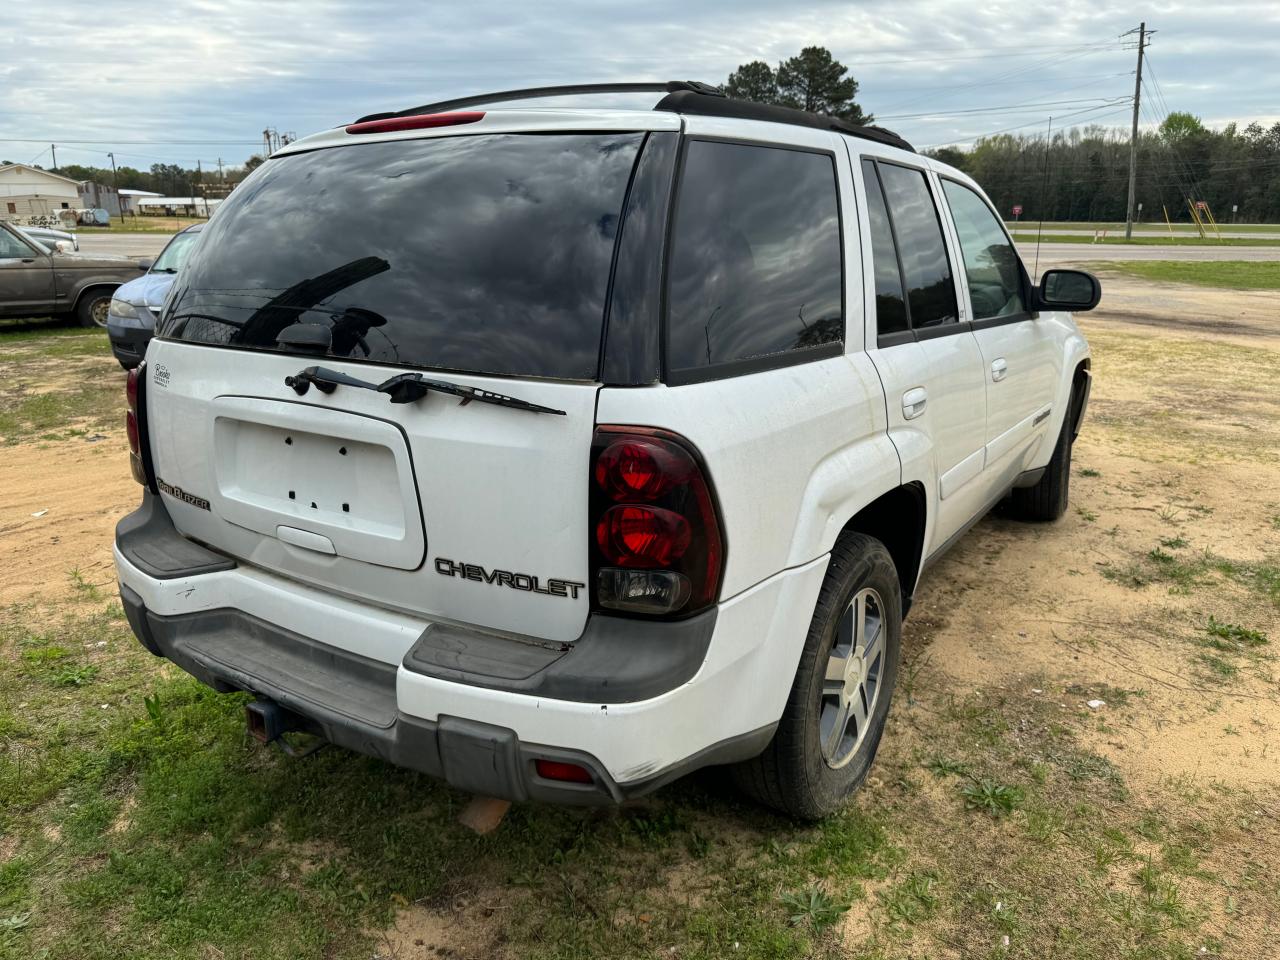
223, 71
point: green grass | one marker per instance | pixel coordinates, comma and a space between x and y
1025, 238
59, 382
156, 827
1229, 274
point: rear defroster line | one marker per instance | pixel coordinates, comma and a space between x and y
407, 388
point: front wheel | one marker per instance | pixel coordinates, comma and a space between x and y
92, 309
1047, 500
835, 715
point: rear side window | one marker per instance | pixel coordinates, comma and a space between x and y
991, 265
488, 254
755, 260
931, 293
891, 304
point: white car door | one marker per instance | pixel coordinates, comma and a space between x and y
1021, 356
928, 361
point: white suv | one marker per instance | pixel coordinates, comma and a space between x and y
621, 455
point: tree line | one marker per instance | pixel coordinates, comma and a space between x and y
167, 179
1078, 174
1083, 173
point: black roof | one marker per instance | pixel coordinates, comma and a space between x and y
682, 96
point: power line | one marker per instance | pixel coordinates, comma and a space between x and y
1005, 108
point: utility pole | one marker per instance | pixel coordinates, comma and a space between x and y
1133, 137
115, 178
221, 178
53, 148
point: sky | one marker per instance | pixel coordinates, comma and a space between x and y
192, 80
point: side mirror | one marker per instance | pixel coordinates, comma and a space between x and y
1072, 290
144, 264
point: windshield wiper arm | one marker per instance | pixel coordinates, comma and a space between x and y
407, 388
325, 380
410, 387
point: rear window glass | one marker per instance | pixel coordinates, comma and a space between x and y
755, 255
488, 254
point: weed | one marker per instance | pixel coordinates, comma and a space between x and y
75, 676
912, 900
1173, 543
86, 590
813, 906
994, 798
1086, 515
1090, 472
941, 766
1235, 634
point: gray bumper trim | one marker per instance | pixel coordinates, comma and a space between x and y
351, 701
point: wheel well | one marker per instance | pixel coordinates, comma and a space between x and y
897, 520
1079, 394
93, 286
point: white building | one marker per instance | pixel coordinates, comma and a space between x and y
26, 191
129, 199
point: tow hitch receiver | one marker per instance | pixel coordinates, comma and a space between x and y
268, 723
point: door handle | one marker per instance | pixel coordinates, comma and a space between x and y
913, 402
999, 369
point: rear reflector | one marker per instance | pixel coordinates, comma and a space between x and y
556, 770
420, 122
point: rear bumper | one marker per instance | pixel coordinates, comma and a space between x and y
627, 701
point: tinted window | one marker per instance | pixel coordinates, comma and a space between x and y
891, 308
930, 291
755, 263
990, 262
481, 253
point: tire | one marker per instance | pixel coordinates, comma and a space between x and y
797, 774
91, 311
1047, 500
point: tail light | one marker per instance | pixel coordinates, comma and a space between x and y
658, 549
134, 425
421, 121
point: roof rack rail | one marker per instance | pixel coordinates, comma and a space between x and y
682, 96
534, 93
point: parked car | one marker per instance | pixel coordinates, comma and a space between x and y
36, 281
131, 319
624, 458
47, 237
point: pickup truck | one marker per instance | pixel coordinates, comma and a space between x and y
37, 281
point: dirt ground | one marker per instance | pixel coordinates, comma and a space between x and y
1103, 619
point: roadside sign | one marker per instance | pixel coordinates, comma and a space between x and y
1201, 205
1017, 209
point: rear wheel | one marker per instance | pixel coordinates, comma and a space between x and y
92, 309
835, 716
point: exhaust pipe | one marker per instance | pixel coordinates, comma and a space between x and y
268, 722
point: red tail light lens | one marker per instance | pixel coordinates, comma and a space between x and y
419, 122
558, 770
642, 468
658, 547
131, 388
635, 536
133, 425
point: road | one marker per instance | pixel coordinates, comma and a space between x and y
123, 244
1060, 253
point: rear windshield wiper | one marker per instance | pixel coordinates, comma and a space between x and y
408, 388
